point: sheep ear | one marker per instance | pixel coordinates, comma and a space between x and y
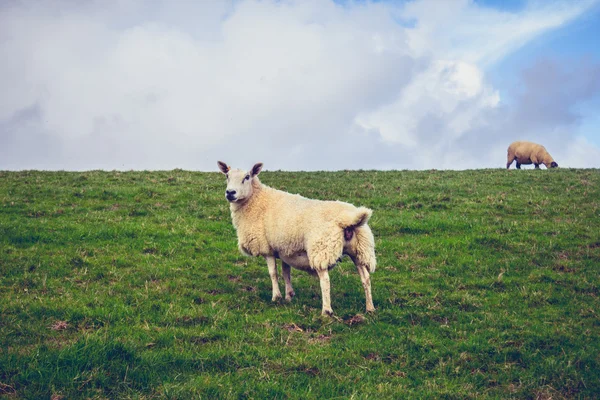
223, 167
256, 169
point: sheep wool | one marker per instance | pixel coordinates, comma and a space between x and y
310, 235
529, 153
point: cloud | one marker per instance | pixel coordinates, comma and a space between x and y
461, 30
453, 91
297, 84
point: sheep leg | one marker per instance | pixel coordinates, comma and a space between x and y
518, 165
537, 166
510, 157
366, 282
365, 278
273, 274
287, 277
325, 291
509, 162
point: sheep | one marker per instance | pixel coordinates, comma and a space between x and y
529, 153
309, 235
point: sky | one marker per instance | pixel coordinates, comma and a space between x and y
296, 84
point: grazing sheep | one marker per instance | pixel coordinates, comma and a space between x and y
310, 235
529, 153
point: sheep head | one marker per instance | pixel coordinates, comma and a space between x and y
239, 182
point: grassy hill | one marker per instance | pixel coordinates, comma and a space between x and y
130, 285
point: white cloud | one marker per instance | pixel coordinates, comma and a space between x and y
460, 30
297, 84
452, 91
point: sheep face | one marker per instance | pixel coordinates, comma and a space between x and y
553, 164
239, 182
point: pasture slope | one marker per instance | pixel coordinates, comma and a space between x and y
130, 285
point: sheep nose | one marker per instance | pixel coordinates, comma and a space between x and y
230, 195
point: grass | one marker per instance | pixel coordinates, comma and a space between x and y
130, 285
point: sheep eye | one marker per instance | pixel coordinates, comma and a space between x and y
247, 177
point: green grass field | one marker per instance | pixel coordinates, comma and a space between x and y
130, 285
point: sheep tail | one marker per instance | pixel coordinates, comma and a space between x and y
354, 219
359, 242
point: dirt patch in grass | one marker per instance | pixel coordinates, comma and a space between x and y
355, 320
7, 389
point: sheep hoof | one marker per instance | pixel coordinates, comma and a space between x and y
289, 295
327, 313
276, 297
370, 309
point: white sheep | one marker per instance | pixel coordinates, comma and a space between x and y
310, 235
529, 153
